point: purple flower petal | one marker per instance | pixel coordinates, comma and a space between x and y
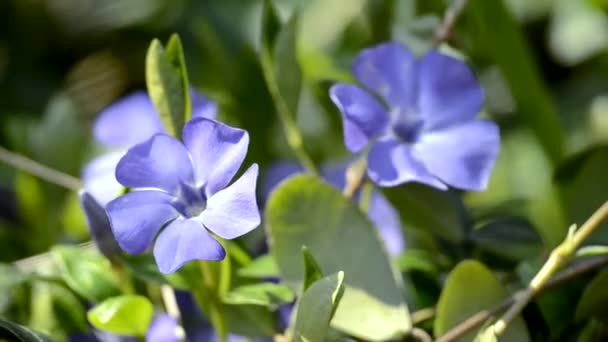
137, 216
98, 177
184, 240
202, 107
392, 163
217, 150
462, 155
233, 211
448, 92
386, 219
388, 70
160, 162
128, 121
162, 329
363, 116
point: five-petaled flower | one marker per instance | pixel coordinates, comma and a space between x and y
124, 123
182, 190
419, 119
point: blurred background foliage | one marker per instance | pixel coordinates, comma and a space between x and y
544, 65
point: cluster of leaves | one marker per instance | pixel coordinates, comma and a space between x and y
465, 251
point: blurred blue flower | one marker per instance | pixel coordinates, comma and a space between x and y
185, 188
381, 212
126, 122
162, 329
419, 118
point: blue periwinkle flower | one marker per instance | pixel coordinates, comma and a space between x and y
126, 122
381, 212
419, 117
163, 328
182, 188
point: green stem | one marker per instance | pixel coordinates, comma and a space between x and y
559, 256
41, 171
208, 299
292, 133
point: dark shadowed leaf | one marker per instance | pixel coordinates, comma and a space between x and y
594, 301
10, 331
312, 271
512, 238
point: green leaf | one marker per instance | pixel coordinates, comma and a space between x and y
594, 301
584, 193
124, 315
87, 273
419, 206
250, 320
262, 267
304, 211
68, 310
264, 294
312, 271
317, 307
270, 25
168, 84
14, 332
286, 68
470, 288
144, 267
514, 59
418, 260
512, 238
175, 55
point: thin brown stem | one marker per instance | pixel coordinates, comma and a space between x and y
445, 30
479, 318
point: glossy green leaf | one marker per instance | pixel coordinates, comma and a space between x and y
515, 61
14, 332
87, 273
125, 315
264, 294
594, 301
470, 288
512, 238
262, 267
144, 267
312, 271
419, 206
168, 84
317, 307
304, 211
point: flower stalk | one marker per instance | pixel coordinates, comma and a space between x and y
562, 254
